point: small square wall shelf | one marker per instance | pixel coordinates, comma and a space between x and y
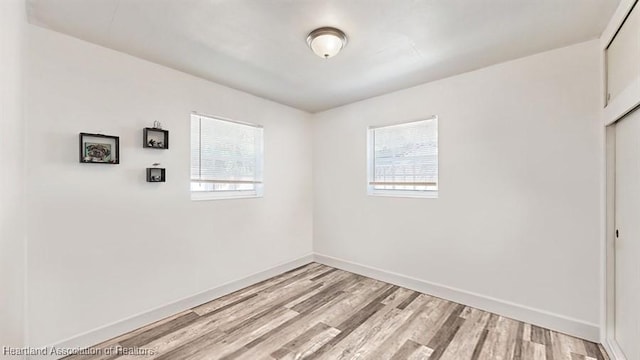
156, 175
155, 138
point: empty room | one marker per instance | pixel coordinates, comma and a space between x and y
319, 179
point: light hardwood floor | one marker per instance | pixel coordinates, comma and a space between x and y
318, 312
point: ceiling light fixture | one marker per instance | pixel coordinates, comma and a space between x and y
327, 42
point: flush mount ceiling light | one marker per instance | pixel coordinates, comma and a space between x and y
326, 41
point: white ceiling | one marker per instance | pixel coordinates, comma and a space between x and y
259, 46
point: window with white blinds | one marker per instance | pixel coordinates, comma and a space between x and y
403, 159
226, 158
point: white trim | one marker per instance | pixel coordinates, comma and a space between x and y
622, 104
613, 350
420, 194
629, 98
616, 21
220, 195
123, 326
428, 118
546, 319
607, 241
603, 201
520, 312
216, 117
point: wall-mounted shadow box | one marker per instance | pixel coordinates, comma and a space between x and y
156, 174
155, 138
99, 149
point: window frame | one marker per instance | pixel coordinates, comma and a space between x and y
372, 191
258, 190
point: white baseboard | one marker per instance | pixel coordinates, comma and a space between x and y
123, 326
508, 309
613, 349
516, 311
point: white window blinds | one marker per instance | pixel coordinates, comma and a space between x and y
404, 157
225, 156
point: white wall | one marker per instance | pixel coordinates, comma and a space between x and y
12, 230
104, 244
518, 218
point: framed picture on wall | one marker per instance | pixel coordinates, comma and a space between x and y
99, 149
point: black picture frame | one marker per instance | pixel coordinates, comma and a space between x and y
99, 149
156, 174
155, 138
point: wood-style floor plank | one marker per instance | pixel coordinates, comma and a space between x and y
319, 312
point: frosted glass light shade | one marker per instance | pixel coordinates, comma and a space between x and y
326, 42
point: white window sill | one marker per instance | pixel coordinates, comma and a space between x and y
212, 195
404, 194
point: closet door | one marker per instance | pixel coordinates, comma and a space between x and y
627, 242
623, 56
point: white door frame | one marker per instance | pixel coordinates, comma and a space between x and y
607, 330
612, 112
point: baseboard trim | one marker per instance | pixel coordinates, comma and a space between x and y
120, 327
515, 311
538, 317
613, 349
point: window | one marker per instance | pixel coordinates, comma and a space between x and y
403, 159
226, 159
